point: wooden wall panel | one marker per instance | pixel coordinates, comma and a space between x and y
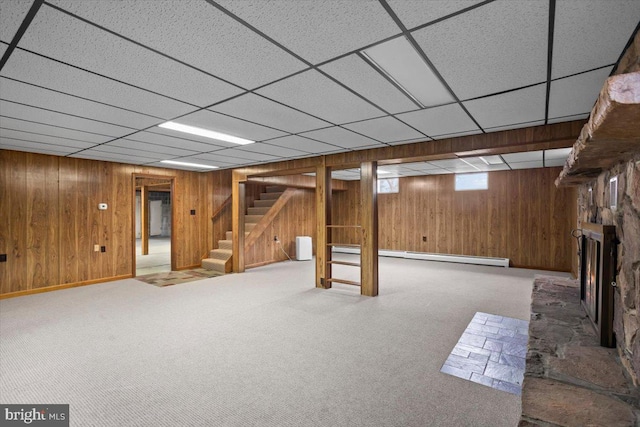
220, 191
50, 222
522, 216
297, 218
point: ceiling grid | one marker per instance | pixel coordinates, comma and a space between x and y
94, 80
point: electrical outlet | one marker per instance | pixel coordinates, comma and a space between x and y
3, 257
424, 238
96, 248
193, 211
103, 249
275, 238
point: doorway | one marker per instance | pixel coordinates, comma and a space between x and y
153, 224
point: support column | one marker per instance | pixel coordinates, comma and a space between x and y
237, 227
144, 219
323, 218
369, 224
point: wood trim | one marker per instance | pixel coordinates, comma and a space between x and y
266, 219
64, 286
263, 263
144, 220
188, 267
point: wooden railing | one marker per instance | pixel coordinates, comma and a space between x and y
221, 208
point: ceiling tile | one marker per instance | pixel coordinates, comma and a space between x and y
30, 68
273, 150
410, 141
221, 123
196, 33
216, 159
34, 147
318, 30
557, 153
3, 48
73, 144
551, 163
526, 165
112, 157
10, 109
158, 136
385, 129
503, 46
12, 13
519, 106
440, 120
269, 113
305, 144
582, 116
438, 172
156, 148
132, 151
400, 60
244, 155
39, 128
577, 94
593, 36
317, 95
11, 90
357, 74
421, 166
57, 35
415, 12
341, 137
457, 134
525, 156
515, 126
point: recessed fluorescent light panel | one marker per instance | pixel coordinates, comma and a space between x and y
205, 133
191, 165
399, 60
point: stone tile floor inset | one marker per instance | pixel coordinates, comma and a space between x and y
491, 352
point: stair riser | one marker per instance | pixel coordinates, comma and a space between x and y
269, 196
215, 265
229, 235
225, 244
264, 203
274, 189
221, 254
252, 219
258, 211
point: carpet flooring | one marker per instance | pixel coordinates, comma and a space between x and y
262, 348
170, 278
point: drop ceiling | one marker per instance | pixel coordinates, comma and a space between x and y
94, 79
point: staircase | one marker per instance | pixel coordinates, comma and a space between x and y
220, 259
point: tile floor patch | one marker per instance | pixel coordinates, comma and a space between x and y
491, 352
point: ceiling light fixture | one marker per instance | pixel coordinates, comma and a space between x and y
192, 165
205, 133
399, 61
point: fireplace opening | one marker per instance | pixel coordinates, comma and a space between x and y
597, 278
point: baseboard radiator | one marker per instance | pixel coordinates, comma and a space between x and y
463, 259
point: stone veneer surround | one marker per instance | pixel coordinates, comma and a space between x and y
595, 207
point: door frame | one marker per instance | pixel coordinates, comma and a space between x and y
172, 181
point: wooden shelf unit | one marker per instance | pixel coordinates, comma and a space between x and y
350, 264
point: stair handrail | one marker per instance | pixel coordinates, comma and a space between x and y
221, 208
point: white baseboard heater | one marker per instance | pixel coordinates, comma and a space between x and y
463, 259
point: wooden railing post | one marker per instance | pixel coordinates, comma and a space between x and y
323, 218
369, 223
237, 227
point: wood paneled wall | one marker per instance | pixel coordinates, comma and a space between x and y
297, 218
522, 216
49, 219
221, 191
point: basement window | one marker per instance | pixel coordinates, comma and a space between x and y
472, 181
388, 185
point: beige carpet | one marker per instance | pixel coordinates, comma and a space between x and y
262, 348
